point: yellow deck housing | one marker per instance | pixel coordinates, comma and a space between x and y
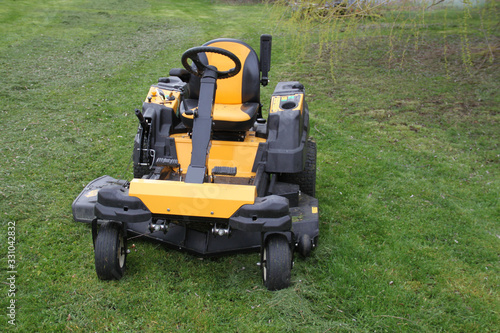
186, 199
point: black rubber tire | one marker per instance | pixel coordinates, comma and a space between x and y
110, 251
305, 245
306, 179
276, 263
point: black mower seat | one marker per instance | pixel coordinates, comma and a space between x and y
237, 99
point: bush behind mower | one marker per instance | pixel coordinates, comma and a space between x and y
211, 175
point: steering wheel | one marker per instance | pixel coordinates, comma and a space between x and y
192, 54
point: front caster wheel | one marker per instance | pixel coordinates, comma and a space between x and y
305, 245
276, 263
110, 251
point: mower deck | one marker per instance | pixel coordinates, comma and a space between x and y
206, 243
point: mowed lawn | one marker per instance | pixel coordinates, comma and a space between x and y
405, 113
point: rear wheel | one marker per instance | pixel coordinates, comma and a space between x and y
276, 263
110, 251
306, 179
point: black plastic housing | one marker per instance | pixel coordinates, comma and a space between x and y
114, 204
287, 131
162, 120
269, 213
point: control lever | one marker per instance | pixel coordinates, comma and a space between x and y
142, 121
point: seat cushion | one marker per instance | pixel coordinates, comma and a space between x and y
226, 117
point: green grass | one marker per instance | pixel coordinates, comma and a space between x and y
408, 173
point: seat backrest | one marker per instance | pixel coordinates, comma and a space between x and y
243, 87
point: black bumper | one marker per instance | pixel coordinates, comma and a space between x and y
269, 213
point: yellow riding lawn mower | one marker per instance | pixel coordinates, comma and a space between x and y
211, 175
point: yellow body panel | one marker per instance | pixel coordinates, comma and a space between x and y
156, 98
186, 199
222, 153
